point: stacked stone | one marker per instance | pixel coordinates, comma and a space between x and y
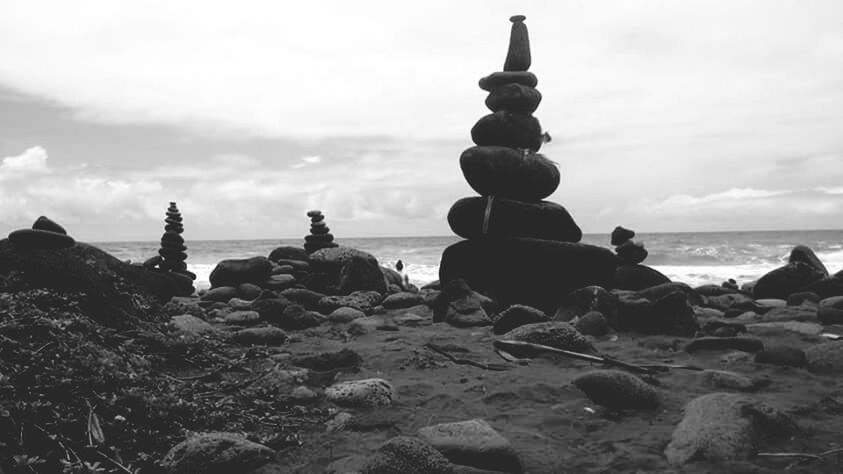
629, 252
631, 274
510, 229
173, 250
320, 235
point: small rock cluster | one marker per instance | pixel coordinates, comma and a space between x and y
44, 234
628, 251
320, 234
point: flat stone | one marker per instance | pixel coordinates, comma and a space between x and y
242, 318
504, 128
402, 300
509, 173
477, 217
498, 79
345, 314
473, 443
560, 335
728, 380
515, 316
268, 336
515, 98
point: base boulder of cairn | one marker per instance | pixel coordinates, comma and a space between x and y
44, 234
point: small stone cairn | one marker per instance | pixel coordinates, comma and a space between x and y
629, 252
173, 251
320, 236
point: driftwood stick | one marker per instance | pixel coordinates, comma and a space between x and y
521, 347
455, 360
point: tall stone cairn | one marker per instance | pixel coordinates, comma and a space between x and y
320, 234
173, 251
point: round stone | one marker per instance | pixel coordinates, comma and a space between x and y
510, 218
514, 98
497, 79
509, 173
508, 129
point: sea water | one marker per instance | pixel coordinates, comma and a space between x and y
694, 258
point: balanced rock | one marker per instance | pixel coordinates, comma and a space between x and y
509, 173
233, 272
518, 56
638, 277
783, 281
514, 97
621, 235
504, 128
173, 250
631, 253
617, 390
498, 79
472, 443
804, 254
45, 234
476, 217
320, 236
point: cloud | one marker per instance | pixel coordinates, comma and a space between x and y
307, 160
31, 161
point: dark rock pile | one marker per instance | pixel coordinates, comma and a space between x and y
631, 274
44, 234
320, 234
519, 248
173, 251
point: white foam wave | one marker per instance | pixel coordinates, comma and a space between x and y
203, 274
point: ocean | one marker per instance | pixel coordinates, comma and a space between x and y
694, 258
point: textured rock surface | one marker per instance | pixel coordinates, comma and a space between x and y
216, 453
361, 393
509, 173
556, 334
473, 443
617, 390
407, 455
475, 217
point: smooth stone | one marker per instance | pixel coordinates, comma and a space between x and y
831, 310
515, 316
725, 301
345, 314
472, 443
402, 300
621, 234
365, 325
172, 238
410, 320
267, 336
45, 223
514, 97
738, 343
583, 300
805, 313
296, 316
222, 294
270, 309
242, 318
279, 282
783, 281
518, 55
318, 238
364, 393
556, 334
771, 302
314, 213
776, 327
191, 325
782, 355
728, 380
233, 272
659, 313
802, 297
825, 358
249, 291
801, 253
534, 272
827, 287
724, 427
288, 252
593, 324
239, 304
406, 455
631, 253
497, 79
457, 304
617, 390
509, 173
638, 277
508, 129
41, 239
508, 218
216, 453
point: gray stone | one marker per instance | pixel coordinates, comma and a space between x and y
617, 390
216, 453
727, 380
407, 455
221, 294
515, 316
345, 314
592, 323
831, 310
403, 299
268, 336
242, 318
556, 334
782, 355
364, 393
473, 443
825, 358
191, 325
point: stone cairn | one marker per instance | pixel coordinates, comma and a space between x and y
628, 251
320, 236
518, 248
173, 251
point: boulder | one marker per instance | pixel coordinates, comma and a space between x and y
248, 291
803, 297
638, 277
222, 294
343, 270
670, 314
288, 253
831, 310
498, 79
631, 253
279, 282
265, 336
658, 292
307, 298
364, 393
584, 300
725, 379
233, 272
34, 239
345, 315
472, 443
406, 455
783, 281
724, 427
533, 272
514, 97
296, 316
505, 128
617, 390
515, 316
271, 309
592, 323
402, 300
554, 334
803, 254
216, 453
459, 305
621, 234
826, 287
509, 173
476, 217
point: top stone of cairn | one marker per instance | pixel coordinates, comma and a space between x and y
518, 56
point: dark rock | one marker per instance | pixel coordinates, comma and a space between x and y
631, 253
670, 315
831, 310
173, 250
729, 380
271, 309
782, 355
307, 298
825, 358
296, 316
37, 239
279, 282
504, 128
803, 254
402, 300
242, 318
216, 453
345, 270
638, 277
783, 281
509, 173
363, 393
826, 287
324, 361
288, 253
581, 301
345, 315
460, 306
233, 272
554, 334
592, 323
476, 217
533, 272
473, 443
514, 97
363, 301
497, 79
726, 301
267, 336
515, 316
796, 299
617, 390
518, 55
657, 292
738, 343
621, 235
406, 455
47, 224
222, 294
721, 328
248, 291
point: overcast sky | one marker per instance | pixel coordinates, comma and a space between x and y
665, 115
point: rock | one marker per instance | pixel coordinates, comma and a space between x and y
179, 305
803, 313
238, 304
319, 237
509, 173
279, 282
593, 324
410, 320
725, 301
248, 291
515, 316
518, 55
172, 249
296, 317
288, 253
307, 298
802, 297
631, 253
191, 325
302, 395
498, 79
345, 314
344, 271
363, 301
266, 336
472, 443
556, 334
638, 277
727, 380
459, 305
670, 314
271, 309
783, 281
617, 390
591, 298
406, 455
242, 318
724, 427
44, 235
514, 97
477, 217
716, 290
46, 224
503, 128
533, 272
774, 328
233, 272
222, 294
402, 300
364, 393
831, 310
621, 235
826, 287
782, 355
365, 325
345, 359
216, 453
771, 302
803, 254
655, 293
738, 343
825, 358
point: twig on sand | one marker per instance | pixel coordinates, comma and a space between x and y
813, 457
456, 360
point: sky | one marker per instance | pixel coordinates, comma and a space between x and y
665, 115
